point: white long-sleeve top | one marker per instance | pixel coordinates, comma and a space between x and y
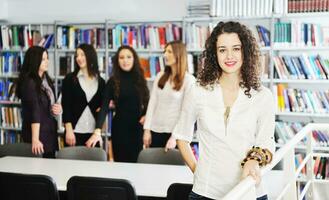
222, 148
165, 105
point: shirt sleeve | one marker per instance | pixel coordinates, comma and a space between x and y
67, 99
184, 128
152, 103
266, 123
31, 98
108, 95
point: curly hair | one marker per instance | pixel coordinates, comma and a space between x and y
138, 76
210, 72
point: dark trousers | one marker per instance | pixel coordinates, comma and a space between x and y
81, 139
159, 139
49, 155
195, 196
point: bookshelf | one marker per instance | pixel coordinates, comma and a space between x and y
106, 45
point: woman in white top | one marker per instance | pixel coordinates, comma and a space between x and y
233, 111
166, 99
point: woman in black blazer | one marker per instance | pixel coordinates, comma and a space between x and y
36, 90
81, 96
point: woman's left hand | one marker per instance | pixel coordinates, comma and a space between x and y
92, 141
251, 167
171, 144
56, 109
142, 120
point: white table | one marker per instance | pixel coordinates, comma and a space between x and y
148, 179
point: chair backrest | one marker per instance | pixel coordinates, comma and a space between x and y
86, 188
179, 191
159, 156
82, 153
27, 186
17, 149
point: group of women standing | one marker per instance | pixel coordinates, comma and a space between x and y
234, 113
86, 101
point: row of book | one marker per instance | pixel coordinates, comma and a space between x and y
321, 168
300, 100
300, 34
241, 8
144, 36
11, 117
152, 65
300, 6
197, 8
10, 63
285, 131
23, 37
197, 34
69, 37
6, 90
9, 137
301, 67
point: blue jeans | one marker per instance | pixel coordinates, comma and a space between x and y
195, 196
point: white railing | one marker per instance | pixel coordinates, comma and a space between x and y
246, 188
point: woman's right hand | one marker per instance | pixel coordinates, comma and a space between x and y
70, 137
37, 147
147, 138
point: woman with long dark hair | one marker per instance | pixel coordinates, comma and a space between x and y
81, 96
127, 88
39, 107
167, 96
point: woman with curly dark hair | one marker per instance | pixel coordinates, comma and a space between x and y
235, 115
127, 88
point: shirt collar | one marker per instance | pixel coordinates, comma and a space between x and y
80, 74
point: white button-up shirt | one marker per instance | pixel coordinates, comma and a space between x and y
165, 105
222, 148
86, 122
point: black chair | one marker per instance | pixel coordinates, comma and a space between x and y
92, 188
179, 191
159, 156
82, 153
17, 149
27, 186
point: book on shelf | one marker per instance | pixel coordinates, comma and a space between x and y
69, 37
300, 100
300, 34
22, 37
11, 117
144, 36
9, 137
285, 131
299, 157
10, 63
295, 6
321, 166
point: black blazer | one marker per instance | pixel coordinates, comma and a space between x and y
74, 100
36, 108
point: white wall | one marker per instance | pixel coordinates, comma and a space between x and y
43, 11
3, 10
